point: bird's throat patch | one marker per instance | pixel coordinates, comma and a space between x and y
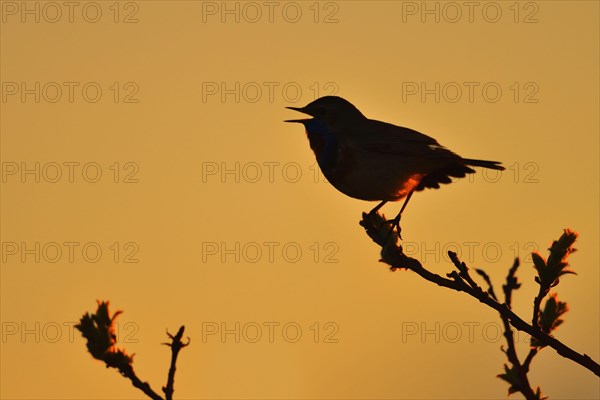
323, 143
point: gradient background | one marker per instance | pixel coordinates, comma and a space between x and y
390, 335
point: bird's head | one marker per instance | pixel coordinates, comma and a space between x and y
335, 112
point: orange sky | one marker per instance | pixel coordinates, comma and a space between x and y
145, 161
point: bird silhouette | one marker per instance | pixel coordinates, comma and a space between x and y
373, 160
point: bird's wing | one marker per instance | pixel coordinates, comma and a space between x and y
381, 137
419, 152
384, 130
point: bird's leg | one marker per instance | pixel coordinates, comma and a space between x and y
396, 221
373, 211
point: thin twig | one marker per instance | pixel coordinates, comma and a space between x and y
511, 283
487, 279
143, 386
532, 352
511, 351
537, 302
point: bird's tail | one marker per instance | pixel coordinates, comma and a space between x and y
485, 164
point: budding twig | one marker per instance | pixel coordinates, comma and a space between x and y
99, 331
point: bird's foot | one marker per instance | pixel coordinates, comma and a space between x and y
395, 223
378, 220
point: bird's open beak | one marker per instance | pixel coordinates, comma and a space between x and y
297, 120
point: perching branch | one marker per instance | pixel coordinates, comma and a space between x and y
376, 227
100, 332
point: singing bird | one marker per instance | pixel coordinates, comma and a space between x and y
373, 160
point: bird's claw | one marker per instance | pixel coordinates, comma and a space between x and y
394, 223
